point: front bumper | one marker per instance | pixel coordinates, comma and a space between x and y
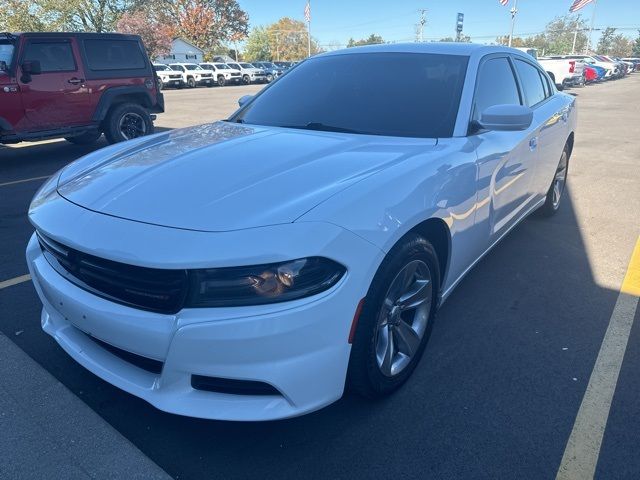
301, 348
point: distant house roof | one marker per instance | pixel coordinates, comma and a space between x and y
188, 43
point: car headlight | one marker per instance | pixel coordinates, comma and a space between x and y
262, 284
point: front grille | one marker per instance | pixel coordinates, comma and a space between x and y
235, 74
206, 75
175, 76
156, 290
148, 364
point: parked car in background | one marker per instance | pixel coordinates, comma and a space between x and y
611, 69
194, 75
635, 61
167, 77
249, 73
76, 86
252, 268
270, 69
563, 71
590, 74
223, 73
283, 65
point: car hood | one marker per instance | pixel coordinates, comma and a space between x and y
224, 176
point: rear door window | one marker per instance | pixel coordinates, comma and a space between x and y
531, 81
53, 56
110, 54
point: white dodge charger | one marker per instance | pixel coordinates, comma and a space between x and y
252, 268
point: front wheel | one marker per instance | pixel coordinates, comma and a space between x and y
396, 318
269, 78
556, 190
221, 81
191, 82
126, 122
246, 79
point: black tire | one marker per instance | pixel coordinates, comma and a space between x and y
246, 80
365, 374
210, 83
86, 138
221, 81
191, 82
269, 78
126, 121
551, 206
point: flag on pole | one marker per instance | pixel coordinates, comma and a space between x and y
503, 2
578, 4
307, 11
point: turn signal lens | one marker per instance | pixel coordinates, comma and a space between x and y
262, 284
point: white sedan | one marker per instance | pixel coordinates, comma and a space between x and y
251, 268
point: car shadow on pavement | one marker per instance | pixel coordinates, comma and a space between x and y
495, 395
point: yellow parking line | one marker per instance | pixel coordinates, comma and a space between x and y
24, 180
583, 447
14, 281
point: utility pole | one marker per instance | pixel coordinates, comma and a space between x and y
423, 20
575, 37
459, 21
513, 11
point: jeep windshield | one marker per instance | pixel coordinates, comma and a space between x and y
6, 55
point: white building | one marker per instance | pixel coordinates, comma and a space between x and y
182, 52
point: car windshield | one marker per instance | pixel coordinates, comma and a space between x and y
330, 93
6, 55
269, 65
222, 66
246, 65
193, 67
161, 68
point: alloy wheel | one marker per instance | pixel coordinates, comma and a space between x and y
559, 181
132, 125
403, 318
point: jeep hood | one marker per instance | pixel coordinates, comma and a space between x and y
224, 176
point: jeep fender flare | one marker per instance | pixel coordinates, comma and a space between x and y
111, 95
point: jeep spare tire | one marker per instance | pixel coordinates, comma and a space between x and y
127, 121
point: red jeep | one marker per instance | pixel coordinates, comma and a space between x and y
77, 86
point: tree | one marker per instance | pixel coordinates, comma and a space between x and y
156, 36
288, 40
67, 15
606, 40
208, 24
636, 46
516, 42
372, 39
257, 46
621, 46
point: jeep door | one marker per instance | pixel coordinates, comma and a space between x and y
58, 96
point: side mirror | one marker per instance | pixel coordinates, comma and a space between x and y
506, 118
244, 100
32, 67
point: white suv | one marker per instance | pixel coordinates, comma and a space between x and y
193, 74
223, 73
249, 73
167, 77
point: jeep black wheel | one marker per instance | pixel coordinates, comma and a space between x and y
86, 138
126, 122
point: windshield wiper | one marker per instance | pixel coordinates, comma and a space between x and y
324, 128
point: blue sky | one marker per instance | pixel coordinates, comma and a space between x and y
334, 21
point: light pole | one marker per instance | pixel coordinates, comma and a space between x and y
514, 11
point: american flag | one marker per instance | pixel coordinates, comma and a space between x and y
578, 4
307, 11
503, 2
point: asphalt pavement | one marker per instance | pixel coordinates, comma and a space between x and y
498, 391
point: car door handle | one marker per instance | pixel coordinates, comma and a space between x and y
533, 143
76, 81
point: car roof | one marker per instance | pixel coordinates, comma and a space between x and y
443, 48
86, 35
